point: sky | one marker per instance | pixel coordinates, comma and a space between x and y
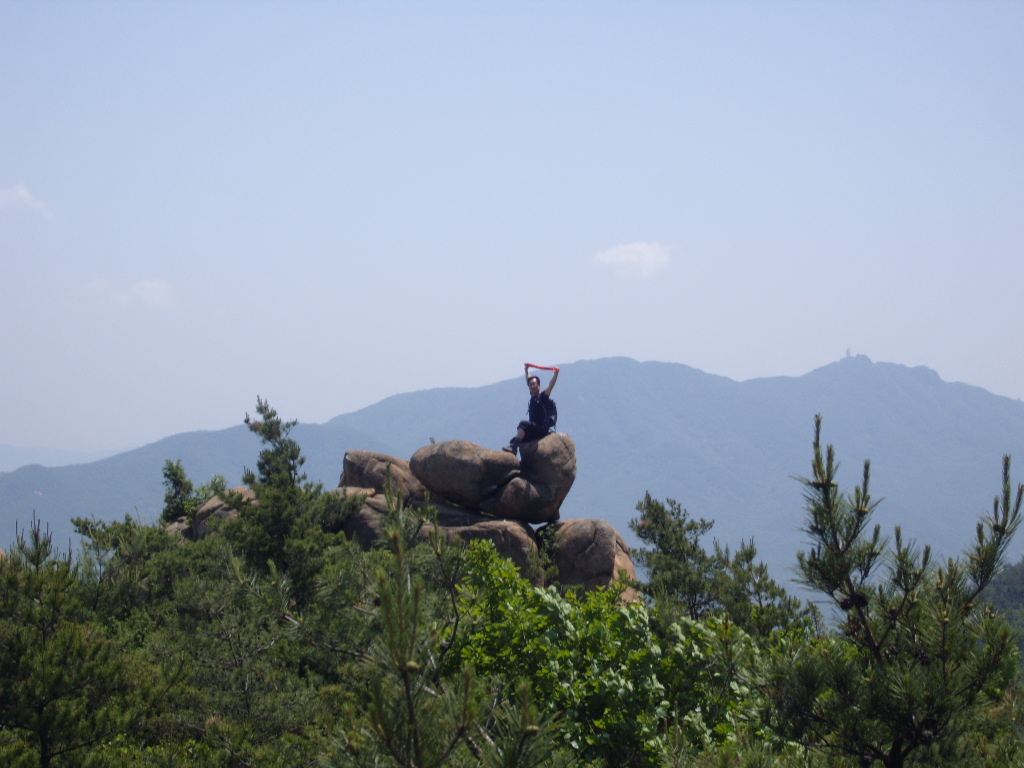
327, 203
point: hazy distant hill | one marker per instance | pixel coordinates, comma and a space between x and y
12, 457
726, 450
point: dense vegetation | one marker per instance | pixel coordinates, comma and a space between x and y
277, 642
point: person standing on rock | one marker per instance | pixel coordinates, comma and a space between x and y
541, 411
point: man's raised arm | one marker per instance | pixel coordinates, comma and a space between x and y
551, 384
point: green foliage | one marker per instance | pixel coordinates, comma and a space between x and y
918, 663
242, 689
286, 527
280, 462
247, 687
182, 498
66, 685
416, 714
517, 735
1006, 596
589, 659
685, 580
275, 641
708, 670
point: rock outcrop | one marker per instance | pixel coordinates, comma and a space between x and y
514, 540
482, 493
217, 508
369, 469
180, 527
591, 553
477, 493
548, 469
530, 490
463, 473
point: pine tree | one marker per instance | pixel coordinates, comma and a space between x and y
415, 713
285, 527
917, 659
65, 685
684, 579
181, 497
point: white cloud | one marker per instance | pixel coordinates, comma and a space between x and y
149, 293
19, 196
640, 259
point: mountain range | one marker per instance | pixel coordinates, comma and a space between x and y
14, 456
728, 451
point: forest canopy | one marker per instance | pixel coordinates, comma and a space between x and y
276, 641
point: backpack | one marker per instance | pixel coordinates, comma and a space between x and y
552, 415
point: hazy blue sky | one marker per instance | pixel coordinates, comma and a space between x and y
326, 203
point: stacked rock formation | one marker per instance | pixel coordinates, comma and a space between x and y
477, 493
482, 493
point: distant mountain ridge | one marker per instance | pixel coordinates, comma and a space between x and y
727, 451
13, 457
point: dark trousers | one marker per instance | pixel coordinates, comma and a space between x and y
532, 430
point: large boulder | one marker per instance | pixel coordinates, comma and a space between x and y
511, 539
218, 508
178, 527
590, 554
514, 540
463, 473
369, 469
366, 525
548, 470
